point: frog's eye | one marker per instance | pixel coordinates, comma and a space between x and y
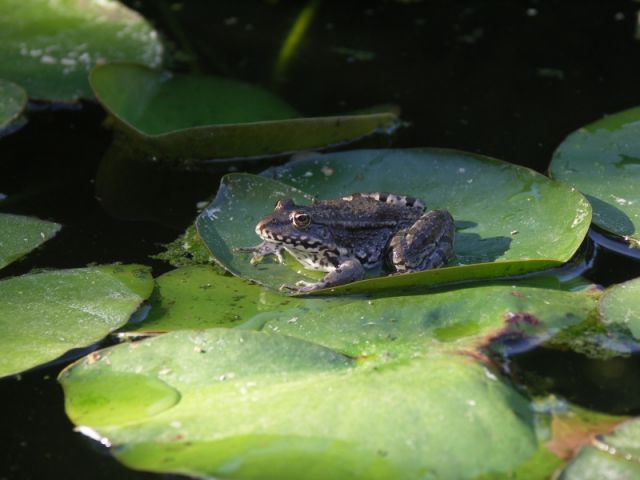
301, 220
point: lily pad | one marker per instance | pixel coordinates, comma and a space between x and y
509, 219
513, 316
44, 315
205, 117
269, 406
19, 235
198, 297
49, 47
615, 456
621, 305
602, 160
13, 100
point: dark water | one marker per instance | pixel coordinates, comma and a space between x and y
505, 78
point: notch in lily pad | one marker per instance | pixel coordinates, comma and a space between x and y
509, 220
207, 117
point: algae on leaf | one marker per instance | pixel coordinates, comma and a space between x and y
48, 47
602, 160
44, 315
19, 235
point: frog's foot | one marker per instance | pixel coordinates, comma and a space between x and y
348, 271
263, 250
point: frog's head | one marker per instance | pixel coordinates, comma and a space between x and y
293, 226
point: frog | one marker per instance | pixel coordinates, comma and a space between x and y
347, 236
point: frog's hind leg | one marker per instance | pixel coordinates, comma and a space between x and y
426, 244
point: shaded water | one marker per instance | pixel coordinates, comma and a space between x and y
502, 78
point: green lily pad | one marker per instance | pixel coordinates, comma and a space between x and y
204, 117
198, 297
13, 100
615, 456
621, 305
49, 47
602, 160
253, 405
19, 235
44, 315
509, 219
523, 314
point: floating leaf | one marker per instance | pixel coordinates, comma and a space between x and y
49, 47
615, 456
46, 314
602, 160
13, 100
509, 219
621, 305
204, 117
19, 235
513, 316
198, 297
258, 405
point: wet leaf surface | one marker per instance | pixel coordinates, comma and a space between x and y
49, 47
19, 235
602, 160
205, 117
509, 220
13, 100
44, 315
249, 405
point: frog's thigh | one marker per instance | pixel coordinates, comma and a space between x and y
428, 243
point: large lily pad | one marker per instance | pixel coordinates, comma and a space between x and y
13, 100
49, 47
602, 160
509, 219
241, 404
44, 315
204, 117
611, 457
621, 305
19, 235
527, 312
523, 315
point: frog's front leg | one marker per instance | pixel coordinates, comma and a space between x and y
346, 272
426, 244
263, 250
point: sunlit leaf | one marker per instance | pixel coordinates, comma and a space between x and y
254, 405
44, 315
49, 47
602, 160
204, 117
19, 235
